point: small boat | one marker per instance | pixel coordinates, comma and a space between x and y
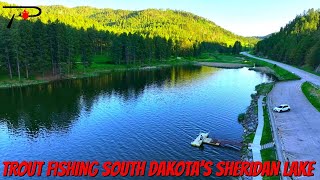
198, 141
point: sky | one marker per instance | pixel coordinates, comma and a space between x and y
242, 17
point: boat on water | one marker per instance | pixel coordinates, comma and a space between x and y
199, 140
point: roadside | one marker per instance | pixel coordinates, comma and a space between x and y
255, 145
312, 92
305, 76
268, 152
249, 119
296, 133
258, 136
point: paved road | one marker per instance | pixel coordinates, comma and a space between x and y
306, 76
298, 130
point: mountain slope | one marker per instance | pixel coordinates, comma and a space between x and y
298, 43
179, 26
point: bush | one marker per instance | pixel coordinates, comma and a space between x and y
241, 117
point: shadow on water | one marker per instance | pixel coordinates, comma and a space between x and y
150, 115
55, 106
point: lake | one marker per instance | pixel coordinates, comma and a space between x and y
144, 115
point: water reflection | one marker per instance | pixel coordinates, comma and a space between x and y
54, 107
134, 115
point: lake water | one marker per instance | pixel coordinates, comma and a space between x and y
133, 115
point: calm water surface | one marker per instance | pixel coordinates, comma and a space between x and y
133, 115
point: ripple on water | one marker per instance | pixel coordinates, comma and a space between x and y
114, 117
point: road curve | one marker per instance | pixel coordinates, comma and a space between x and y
297, 133
305, 76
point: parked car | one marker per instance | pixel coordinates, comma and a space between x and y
282, 108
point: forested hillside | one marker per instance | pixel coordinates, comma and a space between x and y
179, 26
297, 43
61, 38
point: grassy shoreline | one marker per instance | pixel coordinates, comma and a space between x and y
267, 136
100, 66
280, 73
304, 68
251, 116
80, 72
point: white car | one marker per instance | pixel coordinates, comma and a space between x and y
282, 108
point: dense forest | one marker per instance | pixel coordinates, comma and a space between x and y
298, 43
179, 26
61, 38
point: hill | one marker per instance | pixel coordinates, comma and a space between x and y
62, 39
181, 26
297, 43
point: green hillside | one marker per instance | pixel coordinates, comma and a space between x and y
62, 40
176, 25
297, 43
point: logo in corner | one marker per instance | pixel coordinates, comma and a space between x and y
25, 14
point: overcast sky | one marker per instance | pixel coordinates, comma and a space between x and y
243, 17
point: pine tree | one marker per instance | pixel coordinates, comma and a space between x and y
28, 42
237, 47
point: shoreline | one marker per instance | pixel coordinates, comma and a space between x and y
262, 69
222, 65
27, 82
249, 120
249, 124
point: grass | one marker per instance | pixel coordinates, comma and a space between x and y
222, 58
271, 178
101, 67
312, 92
249, 138
22, 82
269, 155
264, 88
305, 68
101, 59
280, 73
100, 64
266, 133
103, 63
5, 82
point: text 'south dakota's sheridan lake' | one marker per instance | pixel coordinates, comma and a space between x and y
163, 168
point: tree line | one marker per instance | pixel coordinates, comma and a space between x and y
180, 26
34, 48
297, 43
